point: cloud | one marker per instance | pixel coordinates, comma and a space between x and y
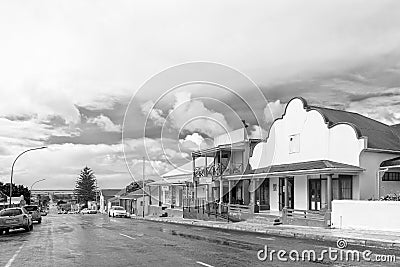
154, 114
257, 132
195, 141
273, 110
192, 115
105, 123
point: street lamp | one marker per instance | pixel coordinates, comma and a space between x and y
12, 168
36, 183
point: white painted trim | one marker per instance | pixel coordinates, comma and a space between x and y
290, 173
377, 150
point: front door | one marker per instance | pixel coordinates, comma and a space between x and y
282, 193
314, 191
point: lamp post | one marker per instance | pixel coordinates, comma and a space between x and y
32, 187
12, 168
36, 183
143, 186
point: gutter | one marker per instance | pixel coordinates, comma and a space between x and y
377, 150
298, 172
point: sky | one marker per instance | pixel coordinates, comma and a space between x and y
105, 84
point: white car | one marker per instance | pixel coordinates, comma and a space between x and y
88, 211
118, 211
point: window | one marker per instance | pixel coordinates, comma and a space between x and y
391, 176
10, 212
342, 188
294, 143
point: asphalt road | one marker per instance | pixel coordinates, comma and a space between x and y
97, 240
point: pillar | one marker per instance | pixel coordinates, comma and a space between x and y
221, 194
252, 190
207, 192
329, 192
205, 166
194, 168
159, 195
195, 190
230, 191
286, 192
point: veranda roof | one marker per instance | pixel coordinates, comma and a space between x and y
300, 168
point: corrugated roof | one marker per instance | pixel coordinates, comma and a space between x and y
391, 162
307, 165
379, 135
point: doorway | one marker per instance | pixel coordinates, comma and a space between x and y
282, 193
314, 194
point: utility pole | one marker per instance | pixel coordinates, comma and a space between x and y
143, 187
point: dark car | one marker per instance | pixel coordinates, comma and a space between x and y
34, 211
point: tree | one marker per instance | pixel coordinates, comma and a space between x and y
17, 191
85, 188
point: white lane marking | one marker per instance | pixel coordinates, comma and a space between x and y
204, 264
128, 236
266, 238
15, 256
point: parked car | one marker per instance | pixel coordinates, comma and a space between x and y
118, 211
34, 211
43, 212
14, 218
88, 211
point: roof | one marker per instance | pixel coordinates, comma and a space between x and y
317, 166
109, 192
121, 192
391, 162
173, 180
379, 135
134, 195
113, 199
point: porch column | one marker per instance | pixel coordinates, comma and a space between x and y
221, 194
194, 168
329, 192
252, 189
286, 192
207, 191
205, 166
159, 195
230, 191
195, 189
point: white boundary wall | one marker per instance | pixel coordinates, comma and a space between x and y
368, 215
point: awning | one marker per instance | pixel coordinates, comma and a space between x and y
391, 163
300, 168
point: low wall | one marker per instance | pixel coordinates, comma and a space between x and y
369, 215
157, 211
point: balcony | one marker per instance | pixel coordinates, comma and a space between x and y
215, 170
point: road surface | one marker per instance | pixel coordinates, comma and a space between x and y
97, 240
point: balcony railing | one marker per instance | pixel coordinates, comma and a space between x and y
216, 169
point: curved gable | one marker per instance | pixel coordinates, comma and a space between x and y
306, 133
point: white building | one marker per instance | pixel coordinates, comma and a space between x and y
315, 154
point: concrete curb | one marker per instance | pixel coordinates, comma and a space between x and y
363, 242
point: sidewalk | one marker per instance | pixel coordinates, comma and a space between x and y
368, 238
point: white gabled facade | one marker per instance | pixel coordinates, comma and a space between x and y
312, 140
